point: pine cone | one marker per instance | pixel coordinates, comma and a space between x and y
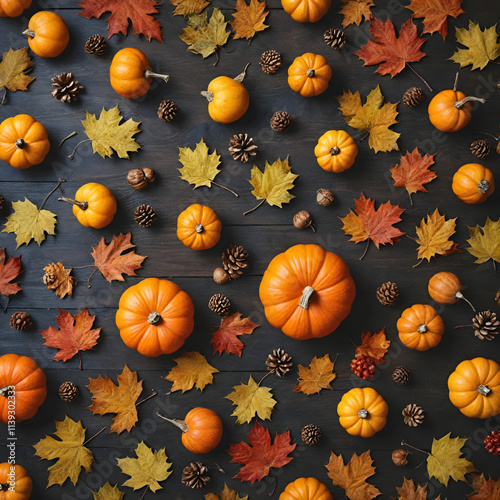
310, 434
95, 45
242, 147
219, 304
413, 415
66, 87
21, 321
388, 293
167, 110
279, 362
481, 148
412, 97
270, 61
281, 121
195, 475
234, 260
145, 215
486, 325
401, 375
2, 203
335, 38
68, 392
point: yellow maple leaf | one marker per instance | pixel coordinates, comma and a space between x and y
374, 345
188, 7
12, 71
373, 117
120, 399
356, 11
316, 376
192, 370
69, 450
485, 241
250, 400
108, 492
248, 19
226, 494
59, 279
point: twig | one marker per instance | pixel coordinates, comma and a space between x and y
404, 443
254, 208
60, 181
81, 360
152, 395
66, 138
421, 78
226, 188
95, 435
72, 155
456, 83
462, 326
491, 135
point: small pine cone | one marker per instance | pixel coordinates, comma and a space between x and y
335, 38
219, 304
281, 121
413, 415
242, 147
195, 475
2, 203
66, 87
234, 260
145, 215
388, 293
412, 97
68, 392
497, 297
310, 434
95, 45
399, 457
481, 148
279, 362
270, 61
167, 110
21, 321
401, 375
486, 325
492, 443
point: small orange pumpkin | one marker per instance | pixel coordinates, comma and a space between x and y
446, 288
473, 183
155, 317
306, 11
420, 327
13, 8
309, 74
306, 488
47, 33
16, 484
335, 151
362, 411
474, 387
24, 142
198, 227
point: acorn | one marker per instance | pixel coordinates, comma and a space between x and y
139, 178
302, 220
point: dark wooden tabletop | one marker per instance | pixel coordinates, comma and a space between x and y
264, 233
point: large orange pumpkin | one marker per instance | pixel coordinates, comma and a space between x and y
309, 74
306, 11
13, 8
306, 488
47, 33
198, 227
420, 327
307, 291
14, 486
155, 317
473, 183
335, 151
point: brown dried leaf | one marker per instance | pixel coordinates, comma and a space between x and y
188, 7
316, 376
225, 339
192, 370
356, 11
226, 494
484, 489
411, 491
63, 283
374, 345
248, 19
9, 271
435, 13
12, 70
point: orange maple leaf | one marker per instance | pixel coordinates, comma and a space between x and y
225, 339
8, 271
435, 13
248, 19
484, 489
373, 345
410, 491
316, 376
355, 11
413, 172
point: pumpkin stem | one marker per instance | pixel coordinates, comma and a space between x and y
83, 205
422, 329
178, 423
66, 138
484, 390
465, 100
149, 74
20, 143
226, 188
459, 295
94, 436
306, 297
154, 318
421, 78
483, 186
254, 208
60, 181
29, 33
4, 487
310, 73
241, 76
4, 391
363, 413
199, 228
334, 151
72, 155
208, 95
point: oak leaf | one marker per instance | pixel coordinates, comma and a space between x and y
356, 11
188, 7
484, 489
411, 491
148, 469
251, 399
192, 370
226, 494
316, 376
113, 260
435, 13
62, 283
352, 477
248, 19
107, 397
225, 339
107, 134
374, 345
9, 271
485, 242
373, 117
108, 492
260, 455
482, 46
139, 12
75, 334
28, 222
69, 450
12, 70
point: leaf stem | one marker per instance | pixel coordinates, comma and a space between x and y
274, 487
145, 491
72, 155
91, 274
95, 435
226, 188
363, 137
84, 267
81, 360
152, 395
4, 98
66, 138
461, 326
254, 208
456, 83
60, 181
491, 135
216, 57
461, 296
366, 249
421, 78
418, 263
404, 443
262, 379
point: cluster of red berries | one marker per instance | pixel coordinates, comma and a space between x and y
492, 443
363, 366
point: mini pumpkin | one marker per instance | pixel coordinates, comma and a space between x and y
309, 74
15, 482
474, 387
306, 488
446, 288
473, 183
24, 142
198, 227
47, 33
13, 8
362, 411
30, 387
335, 151
420, 327
306, 11
155, 317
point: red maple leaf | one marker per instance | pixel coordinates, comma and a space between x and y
391, 53
225, 339
8, 271
435, 13
258, 457
138, 11
74, 334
